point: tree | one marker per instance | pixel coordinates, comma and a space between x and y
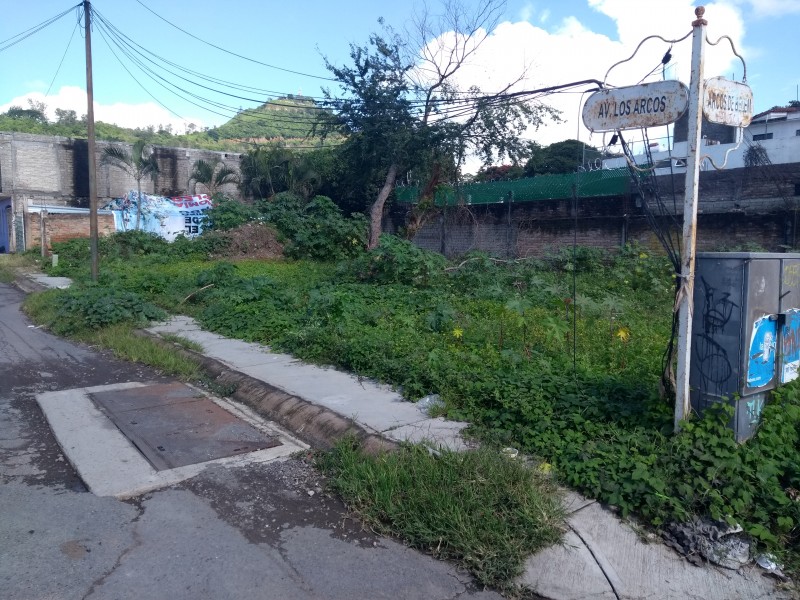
66, 117
139, 163
271, 169
402, 109
212, 174
560, 157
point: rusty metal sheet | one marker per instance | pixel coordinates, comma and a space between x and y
636, 106
173, 425
119, 401
727, 102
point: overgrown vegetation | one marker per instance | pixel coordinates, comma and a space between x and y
496, 340
479, 508
10, 263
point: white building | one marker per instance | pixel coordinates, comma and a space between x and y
776, 131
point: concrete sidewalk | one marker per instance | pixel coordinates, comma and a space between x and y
601, 557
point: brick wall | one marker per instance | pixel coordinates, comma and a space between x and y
740, 208
62, 227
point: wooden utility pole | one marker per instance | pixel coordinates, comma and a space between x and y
93, 228
685, 300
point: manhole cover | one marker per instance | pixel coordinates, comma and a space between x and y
173, 425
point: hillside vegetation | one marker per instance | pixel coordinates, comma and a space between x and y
289, 120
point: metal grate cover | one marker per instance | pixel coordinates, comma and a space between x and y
173, 425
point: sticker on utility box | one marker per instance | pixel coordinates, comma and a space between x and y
790, 345
761, 358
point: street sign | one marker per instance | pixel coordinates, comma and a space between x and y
636, 106
727, 102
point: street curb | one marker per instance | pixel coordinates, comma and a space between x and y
316, 425
27, 285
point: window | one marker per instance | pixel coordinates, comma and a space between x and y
797, 132
762, 136
797, 189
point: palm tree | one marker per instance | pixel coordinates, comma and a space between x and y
139, 163
213, 174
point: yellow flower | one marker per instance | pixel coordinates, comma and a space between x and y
642, 255
458, 333
545, 467
623, 334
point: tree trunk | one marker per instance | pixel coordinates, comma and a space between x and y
376, 210
138, 202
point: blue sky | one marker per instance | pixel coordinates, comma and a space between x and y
556, 42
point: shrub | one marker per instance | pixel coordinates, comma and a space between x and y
397, 261
228, 213
315, 230
96, 307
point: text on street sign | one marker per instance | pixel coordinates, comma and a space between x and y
636, 106
727, 102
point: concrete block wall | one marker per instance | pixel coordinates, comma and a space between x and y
54, 170
40, 170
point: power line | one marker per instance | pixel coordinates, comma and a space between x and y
16, 39
252, 60
63, 56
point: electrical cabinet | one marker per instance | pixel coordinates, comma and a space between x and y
745, 331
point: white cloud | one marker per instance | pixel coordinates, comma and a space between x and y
526, 12
119, 113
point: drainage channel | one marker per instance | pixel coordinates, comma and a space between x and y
174, 425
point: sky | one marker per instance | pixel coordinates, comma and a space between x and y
549, 42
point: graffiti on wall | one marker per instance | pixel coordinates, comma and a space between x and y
713, 362
167, 217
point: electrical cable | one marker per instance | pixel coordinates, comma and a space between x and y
63, 56
252, 60
8, 43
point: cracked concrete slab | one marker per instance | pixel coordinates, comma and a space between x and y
606, 558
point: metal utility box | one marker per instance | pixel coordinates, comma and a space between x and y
745, 331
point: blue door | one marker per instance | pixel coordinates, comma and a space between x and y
5, 225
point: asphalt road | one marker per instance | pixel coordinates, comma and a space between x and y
262, 531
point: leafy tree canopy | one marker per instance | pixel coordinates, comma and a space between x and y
560, 157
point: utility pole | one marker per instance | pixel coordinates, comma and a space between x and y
93, 228
685, 300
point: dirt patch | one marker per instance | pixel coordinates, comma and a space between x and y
264, 500
251, 240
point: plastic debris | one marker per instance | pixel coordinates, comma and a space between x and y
768, 562
430, 403
510, 452
719, 543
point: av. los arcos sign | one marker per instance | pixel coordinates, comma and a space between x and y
636, 106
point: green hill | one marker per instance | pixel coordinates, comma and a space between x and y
290, 117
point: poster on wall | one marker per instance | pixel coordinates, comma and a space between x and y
761, 358
790, 345
166, 217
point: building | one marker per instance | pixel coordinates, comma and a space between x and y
44, 186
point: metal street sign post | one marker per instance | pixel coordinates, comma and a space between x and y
636, 106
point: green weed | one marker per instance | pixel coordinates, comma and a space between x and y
478, 508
